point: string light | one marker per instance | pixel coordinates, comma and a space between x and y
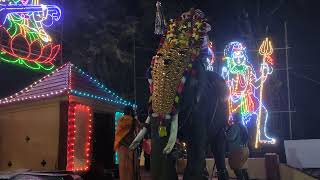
72, 130
92, 96
210, 60
243, 84
71, 138
68, 88
118, 99
23, 23
22, 95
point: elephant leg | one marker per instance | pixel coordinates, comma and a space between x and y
245, 174
239, 174
219, 151
162, 166
197, 143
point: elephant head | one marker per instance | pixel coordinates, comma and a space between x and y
172, 65
174, 59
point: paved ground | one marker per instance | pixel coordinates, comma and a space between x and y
146, 176
313, 172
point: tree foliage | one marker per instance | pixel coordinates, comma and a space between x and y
99, 34
99, 37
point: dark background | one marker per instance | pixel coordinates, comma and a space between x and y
99, 37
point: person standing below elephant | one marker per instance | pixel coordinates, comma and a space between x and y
146, 146
125, 134
237, 136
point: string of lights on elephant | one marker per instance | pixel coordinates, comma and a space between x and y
25, 41
211, 58
179, 48
246, 87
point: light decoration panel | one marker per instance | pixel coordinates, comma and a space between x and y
117, 116
24, 40
79, 131
20, 96
246, 87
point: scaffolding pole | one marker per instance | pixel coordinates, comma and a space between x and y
288, 80
134, 69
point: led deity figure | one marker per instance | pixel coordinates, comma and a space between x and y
245, 88
23, 25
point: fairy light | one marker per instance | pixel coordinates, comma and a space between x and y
109, 97
21, 95
72, 130
26, 21
117, 99
101, 98
69, 90
210, 60
243, 84
71, 138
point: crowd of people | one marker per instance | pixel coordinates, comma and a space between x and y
237, 146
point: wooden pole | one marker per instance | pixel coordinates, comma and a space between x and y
272, 166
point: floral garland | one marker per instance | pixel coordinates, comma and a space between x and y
180, 46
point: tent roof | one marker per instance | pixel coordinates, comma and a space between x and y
67, 79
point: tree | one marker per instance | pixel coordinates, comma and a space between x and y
98, 36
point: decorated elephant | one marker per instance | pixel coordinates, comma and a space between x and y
188, 100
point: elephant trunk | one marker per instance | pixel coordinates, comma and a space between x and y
140, 136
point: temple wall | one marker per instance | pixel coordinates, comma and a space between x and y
39, 122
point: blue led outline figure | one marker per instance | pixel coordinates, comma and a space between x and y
239, 72
117, 116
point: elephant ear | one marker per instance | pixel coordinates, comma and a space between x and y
222, 87
148, 75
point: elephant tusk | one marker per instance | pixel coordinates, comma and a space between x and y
173, 135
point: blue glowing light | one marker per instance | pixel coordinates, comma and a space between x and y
117, 116
118, 100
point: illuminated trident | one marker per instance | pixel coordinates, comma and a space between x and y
266, 51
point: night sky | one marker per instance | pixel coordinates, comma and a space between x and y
84, 20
